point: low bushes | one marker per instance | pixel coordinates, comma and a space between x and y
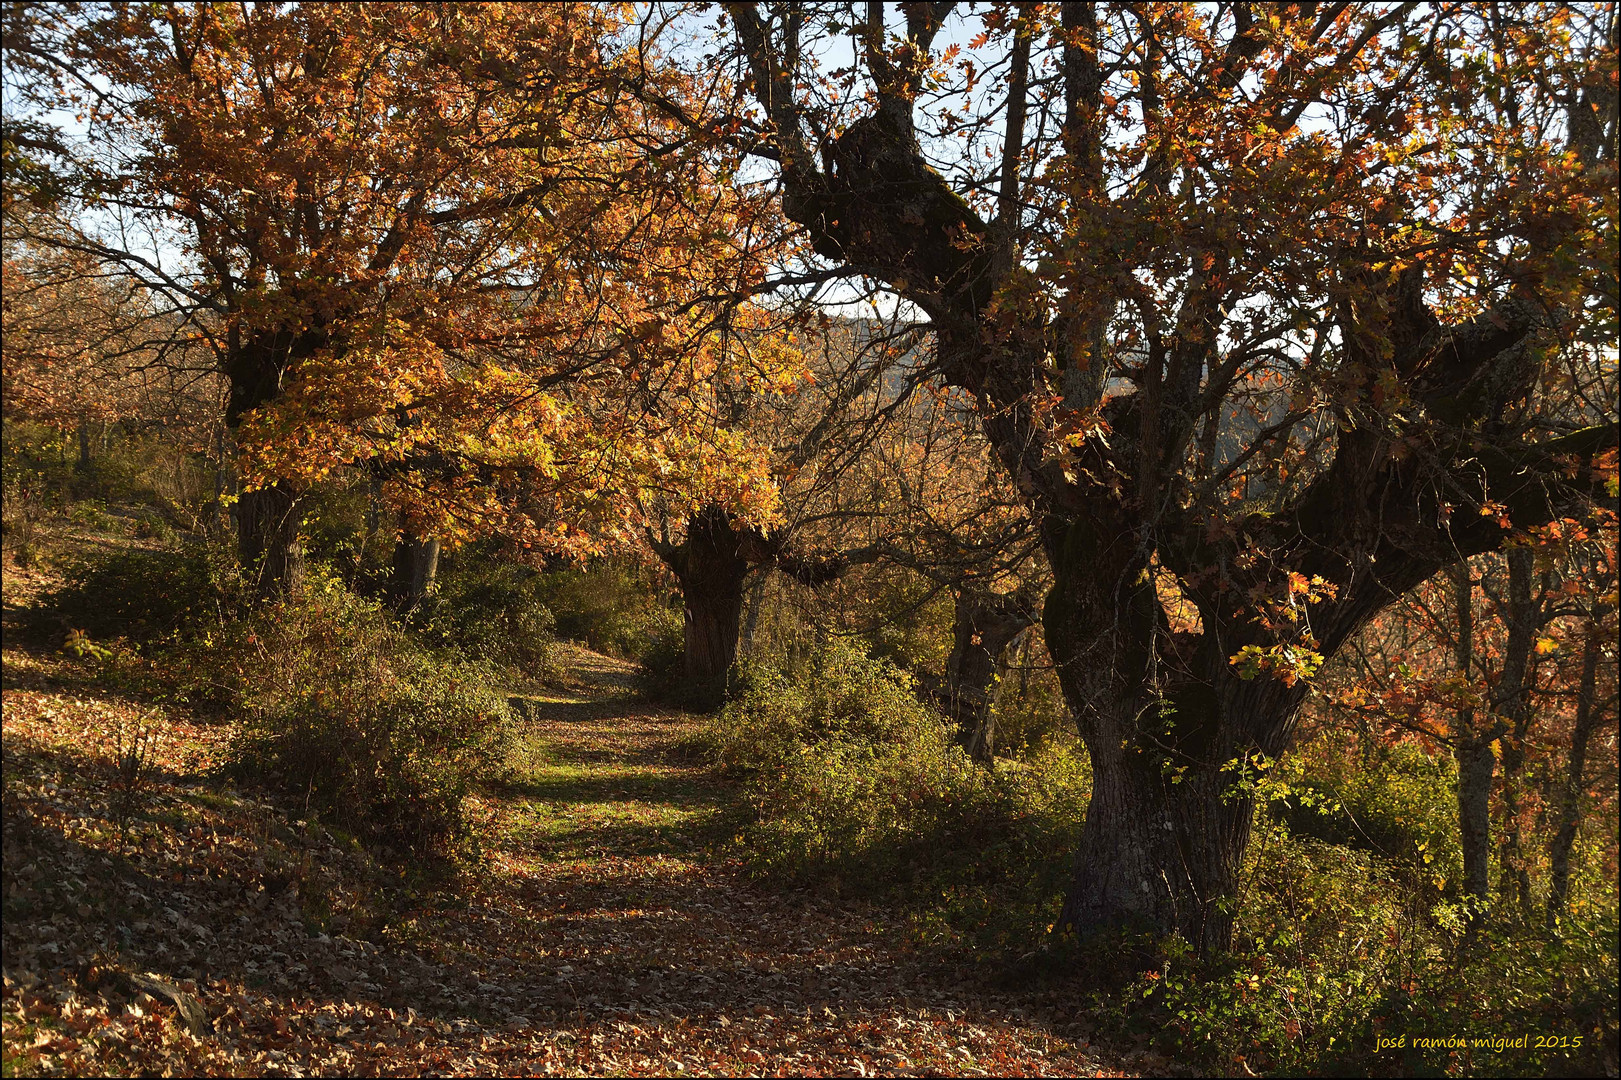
1350, 928
1401, 805
494, 612
42, 467
368, 731
145, 595
1029, 708
1340, 947
357, 722
853, 783
613, 608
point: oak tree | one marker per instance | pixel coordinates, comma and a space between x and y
1271, 296
445, 242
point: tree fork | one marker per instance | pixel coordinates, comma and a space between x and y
1169, 819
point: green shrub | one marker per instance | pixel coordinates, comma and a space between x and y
664, 661
33, 464
1320, 930
124, 467
852, 782
338, 705
613, 608
1402, 805
333, 529
906, 616
1030, 710
90, 513
1337, 946
151, 526
842, 696
119, 475
19, 524
489, 610
366, 730
43, 475
144, 595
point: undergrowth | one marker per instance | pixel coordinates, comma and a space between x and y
1351, 945
493, 612
369, 731
357, 723
612, 607
852, 784
1349, 927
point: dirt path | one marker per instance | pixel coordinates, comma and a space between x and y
609, 852
607, 934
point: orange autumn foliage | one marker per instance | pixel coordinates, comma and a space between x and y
451, 244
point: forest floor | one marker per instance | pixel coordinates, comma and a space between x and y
604, 930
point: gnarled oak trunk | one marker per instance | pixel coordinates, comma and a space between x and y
712, 564
1169, 718
1171, 746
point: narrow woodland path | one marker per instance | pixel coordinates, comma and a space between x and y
606, 934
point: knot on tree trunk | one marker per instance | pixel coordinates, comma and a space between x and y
879, 204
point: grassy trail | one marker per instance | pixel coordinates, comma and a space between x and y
606, 931
616, 834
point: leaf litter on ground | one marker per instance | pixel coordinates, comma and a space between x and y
603, 932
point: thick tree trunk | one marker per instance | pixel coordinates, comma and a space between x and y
1169, 819
83, 464
983, 626
1570, 800
712, 584
267, 533
1137, 868
268, 519
1165, 833
416, 569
